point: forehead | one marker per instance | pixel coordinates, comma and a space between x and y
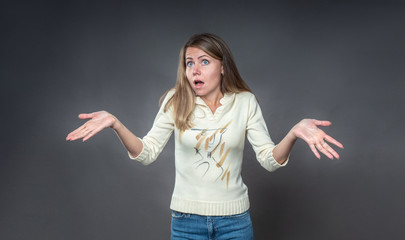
195, 52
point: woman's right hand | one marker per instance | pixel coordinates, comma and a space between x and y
98, 121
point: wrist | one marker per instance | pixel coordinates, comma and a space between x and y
291, 135
116, 124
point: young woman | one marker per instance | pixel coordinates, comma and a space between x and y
211, 111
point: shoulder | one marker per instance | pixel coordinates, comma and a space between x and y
246, 97
166, 97
245, 94
169, 93
248, 102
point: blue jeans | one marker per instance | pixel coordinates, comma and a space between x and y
196, 227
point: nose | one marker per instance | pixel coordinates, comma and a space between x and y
196, 69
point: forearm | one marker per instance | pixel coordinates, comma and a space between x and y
283, 149
132, 143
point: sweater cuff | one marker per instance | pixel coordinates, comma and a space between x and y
142, 156
277, 164
284, 163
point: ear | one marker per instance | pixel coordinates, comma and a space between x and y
222, 69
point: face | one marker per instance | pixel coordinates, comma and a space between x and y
203, 73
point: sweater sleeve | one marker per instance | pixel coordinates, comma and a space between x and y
259, 138
156, 139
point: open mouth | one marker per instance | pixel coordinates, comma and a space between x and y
198, 83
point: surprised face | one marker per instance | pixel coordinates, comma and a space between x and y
204, 73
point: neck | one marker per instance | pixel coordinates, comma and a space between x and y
213, 99
213, 102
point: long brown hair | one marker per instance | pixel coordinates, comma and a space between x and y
183, 100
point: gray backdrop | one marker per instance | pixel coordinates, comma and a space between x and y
342, 62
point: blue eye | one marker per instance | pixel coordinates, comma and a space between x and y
189, 64
205, 62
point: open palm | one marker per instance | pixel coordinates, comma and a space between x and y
98, 121
308, 130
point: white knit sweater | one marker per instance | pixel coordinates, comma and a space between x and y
209, 156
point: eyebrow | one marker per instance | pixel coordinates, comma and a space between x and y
198, 57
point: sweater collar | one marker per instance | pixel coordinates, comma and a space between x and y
227, 98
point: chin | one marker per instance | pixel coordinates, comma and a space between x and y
199, 93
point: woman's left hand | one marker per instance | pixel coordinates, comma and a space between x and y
317, 139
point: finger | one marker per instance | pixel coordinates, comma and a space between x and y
330, 150
73, 134
80, 132
76, 136
322, 123
69, 137
315, 151
92, 132
334, 141
323, 150
88, 135
85, 115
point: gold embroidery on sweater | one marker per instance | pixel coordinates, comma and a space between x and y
208, 142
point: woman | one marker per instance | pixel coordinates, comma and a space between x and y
211, 111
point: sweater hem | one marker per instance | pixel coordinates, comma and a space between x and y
210, 208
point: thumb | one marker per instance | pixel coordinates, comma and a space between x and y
322, 123
85, 115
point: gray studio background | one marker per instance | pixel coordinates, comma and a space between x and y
340, 61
